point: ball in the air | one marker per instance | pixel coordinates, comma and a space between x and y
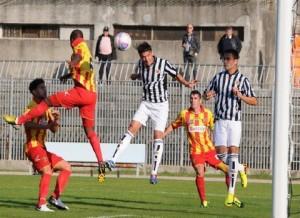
122, 41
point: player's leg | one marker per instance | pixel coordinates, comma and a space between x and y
198, 164
220, 140
159, 114
234, 135
38, 156
64, 169
132, 130
59, 99
158, 148
140, 118
95, 143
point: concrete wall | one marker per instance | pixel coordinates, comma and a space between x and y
256, 16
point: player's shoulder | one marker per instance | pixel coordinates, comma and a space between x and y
207, 110
31, 105
183, 112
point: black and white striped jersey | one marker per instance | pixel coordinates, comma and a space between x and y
227, 105
154, 79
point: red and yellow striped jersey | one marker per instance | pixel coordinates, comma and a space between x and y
36, 137
197, 127
83, 73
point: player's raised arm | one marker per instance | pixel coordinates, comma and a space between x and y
189, 84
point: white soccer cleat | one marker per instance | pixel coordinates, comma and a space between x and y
57, 203
44, 208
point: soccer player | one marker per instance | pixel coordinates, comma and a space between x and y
45, 162
153, 72
83, 96
198, 122
230, 88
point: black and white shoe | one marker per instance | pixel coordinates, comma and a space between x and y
57, 203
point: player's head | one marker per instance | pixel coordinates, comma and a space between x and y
146, 54
75, 34
230, 59
38, 89
195, 99
189, 28
106, 31
229, 31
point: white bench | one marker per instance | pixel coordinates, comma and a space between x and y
82, 154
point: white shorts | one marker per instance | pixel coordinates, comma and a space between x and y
227, 133
158, 113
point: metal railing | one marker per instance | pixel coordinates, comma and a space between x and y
259, 74
117, 102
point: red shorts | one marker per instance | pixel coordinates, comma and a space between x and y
77, 97
208, 157
40, 157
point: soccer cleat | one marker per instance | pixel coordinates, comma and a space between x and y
44, 208
238, 203
101, 172
153, 179
110, 164
57, 203
243, 176
10, 119
229, 200
204, 204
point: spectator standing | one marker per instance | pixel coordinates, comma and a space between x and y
191, 48
105, 52
229, 41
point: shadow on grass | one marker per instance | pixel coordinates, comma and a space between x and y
146, 208
14, 204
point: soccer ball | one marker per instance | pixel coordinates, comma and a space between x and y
122, 41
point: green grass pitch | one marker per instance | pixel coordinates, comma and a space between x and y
136, 198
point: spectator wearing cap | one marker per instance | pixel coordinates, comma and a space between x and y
105, 52
229, 41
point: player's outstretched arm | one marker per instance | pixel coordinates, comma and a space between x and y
189, 84
168, 130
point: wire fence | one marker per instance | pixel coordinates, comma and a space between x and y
118, 99
117, 102
261, 75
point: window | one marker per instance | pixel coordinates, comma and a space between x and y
30, 31
136, 32
175, 33
215, 33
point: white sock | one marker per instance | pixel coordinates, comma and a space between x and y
233, 160
157, 154
125, 141
241, 168
223, 157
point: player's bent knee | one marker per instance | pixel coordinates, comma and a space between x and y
46, 170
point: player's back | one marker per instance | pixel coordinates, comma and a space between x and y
83, 72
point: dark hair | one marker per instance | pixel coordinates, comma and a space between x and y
195, 92
35, 83
234, 53
76, 34
229, 28
143, 47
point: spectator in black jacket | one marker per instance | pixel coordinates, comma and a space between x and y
105, 52
191, 48
229, 41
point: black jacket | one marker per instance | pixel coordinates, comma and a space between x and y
114, 53
195, 45
226, 43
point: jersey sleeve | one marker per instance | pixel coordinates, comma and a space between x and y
211, 123
170, 69
212, 84
247, 89
179, 121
